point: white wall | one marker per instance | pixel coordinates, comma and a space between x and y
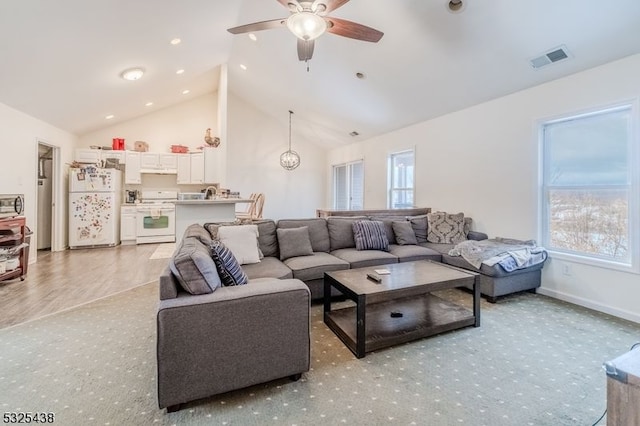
182, 124
256, 141
484, 161
19, 137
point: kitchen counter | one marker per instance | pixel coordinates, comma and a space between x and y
215, 201
189, 212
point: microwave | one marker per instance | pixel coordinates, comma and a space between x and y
11, 205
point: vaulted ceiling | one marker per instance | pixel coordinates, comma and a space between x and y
61, 60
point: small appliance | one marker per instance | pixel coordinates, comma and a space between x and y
131, 196
11, 205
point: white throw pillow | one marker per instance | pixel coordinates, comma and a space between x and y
242, 240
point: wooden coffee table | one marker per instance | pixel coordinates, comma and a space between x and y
368, 326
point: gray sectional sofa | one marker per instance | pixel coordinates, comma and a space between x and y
260, 331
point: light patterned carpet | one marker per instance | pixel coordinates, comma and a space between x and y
534, 361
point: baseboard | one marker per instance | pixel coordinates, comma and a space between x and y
587, 303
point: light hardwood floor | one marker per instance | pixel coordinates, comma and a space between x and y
61, 280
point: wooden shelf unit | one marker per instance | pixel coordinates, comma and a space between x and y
7, 240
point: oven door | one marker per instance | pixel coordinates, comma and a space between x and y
155, 223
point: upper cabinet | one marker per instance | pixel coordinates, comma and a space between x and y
190, 168
96, 156
132, 170
154, 160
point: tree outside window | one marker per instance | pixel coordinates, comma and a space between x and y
587, 188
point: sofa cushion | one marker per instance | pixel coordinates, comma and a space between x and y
318, 232
341, 231
313, 267
267, 238
269, 267
419, 225
294, 242
228, 267
198, 231
404, 233
370, 235
445, 228
440, 248
409, 253
363, 258
194, 268
242, 240
388, 225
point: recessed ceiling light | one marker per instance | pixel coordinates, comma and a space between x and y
109, 117
148, 104
184, 92
243, 66
179, 72
132, 74
253, 37
176, 41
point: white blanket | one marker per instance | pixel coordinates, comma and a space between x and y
510, 254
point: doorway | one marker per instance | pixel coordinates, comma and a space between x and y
47, 182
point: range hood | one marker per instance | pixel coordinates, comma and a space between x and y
159, 171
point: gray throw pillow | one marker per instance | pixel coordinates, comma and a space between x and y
419, 225
294, 242
370, 235
404, 233
194, 268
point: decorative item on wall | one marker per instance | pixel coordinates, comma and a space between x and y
213, 141
289, 159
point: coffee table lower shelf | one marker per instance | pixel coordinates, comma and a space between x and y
422, 316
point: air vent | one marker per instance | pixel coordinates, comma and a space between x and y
354, 133
554, 55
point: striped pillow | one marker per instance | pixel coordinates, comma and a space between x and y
370, 235
228, 267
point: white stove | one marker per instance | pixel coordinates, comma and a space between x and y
156, 217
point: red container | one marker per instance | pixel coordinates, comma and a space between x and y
118, 144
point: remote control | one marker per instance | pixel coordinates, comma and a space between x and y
374, 277
396, 314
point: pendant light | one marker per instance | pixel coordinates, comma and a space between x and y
289, 159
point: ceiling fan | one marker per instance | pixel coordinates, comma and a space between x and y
308, 20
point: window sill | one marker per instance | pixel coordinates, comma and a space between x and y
597, 263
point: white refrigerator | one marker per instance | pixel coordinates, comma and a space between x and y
95, 196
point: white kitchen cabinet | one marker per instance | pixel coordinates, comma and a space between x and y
155, 160
87, 156
128, 225
197, 167
213, 170
132, 169
119, 155
184, 169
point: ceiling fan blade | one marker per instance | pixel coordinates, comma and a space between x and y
345, 28
329, 5
305, 49
259, 26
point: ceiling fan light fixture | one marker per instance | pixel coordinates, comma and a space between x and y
306, 25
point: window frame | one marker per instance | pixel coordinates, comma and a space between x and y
633, 158
391, 189
348, 181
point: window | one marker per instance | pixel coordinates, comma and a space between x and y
589, 193
348, 186
401, 173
